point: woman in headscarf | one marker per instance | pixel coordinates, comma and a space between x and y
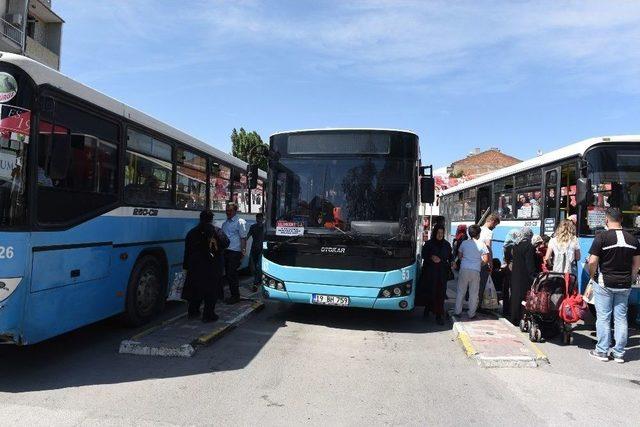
204, 248
523, 272
436, 256
507, 250
461, 236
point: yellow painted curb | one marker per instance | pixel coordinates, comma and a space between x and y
466, 343
208, 338
156, 327
540, 355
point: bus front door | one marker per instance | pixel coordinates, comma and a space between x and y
551, 187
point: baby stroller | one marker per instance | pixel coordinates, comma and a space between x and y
541, 308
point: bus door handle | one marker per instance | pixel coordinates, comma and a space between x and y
75, 273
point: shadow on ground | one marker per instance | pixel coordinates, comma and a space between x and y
89, 356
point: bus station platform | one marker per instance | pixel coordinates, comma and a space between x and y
493, 342
181, 337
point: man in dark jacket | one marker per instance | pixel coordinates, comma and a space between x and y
256, 232
203, 260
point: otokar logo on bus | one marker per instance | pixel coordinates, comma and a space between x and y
332, 250
8, 87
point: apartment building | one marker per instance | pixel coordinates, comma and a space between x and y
31, 28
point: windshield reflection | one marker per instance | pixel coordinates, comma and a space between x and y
341, 193
615, 179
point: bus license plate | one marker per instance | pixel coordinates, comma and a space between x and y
330, 300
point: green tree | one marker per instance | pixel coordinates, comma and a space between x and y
243, 142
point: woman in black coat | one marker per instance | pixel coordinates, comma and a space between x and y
436, 265
203, 260
523, 272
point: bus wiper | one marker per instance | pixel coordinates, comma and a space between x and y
354, 235
290, 240
296, 238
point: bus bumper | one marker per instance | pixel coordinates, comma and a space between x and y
361, 287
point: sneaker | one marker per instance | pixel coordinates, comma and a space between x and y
616, 358
597, 355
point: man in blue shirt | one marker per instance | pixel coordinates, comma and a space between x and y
236, 230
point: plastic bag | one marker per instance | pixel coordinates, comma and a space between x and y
175, 294
490, 297
589, 291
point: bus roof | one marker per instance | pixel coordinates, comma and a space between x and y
41, 74
344, 129
571, 150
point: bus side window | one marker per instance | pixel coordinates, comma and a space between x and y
77, 165
148, 176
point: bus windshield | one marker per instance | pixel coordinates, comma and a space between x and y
364, 194
615, 179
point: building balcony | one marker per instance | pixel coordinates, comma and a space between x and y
12, 37
42, 54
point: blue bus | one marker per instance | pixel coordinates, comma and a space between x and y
579, 180
342, 225
95, 200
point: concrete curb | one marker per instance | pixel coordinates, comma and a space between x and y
223, 329
136, 347
498, 362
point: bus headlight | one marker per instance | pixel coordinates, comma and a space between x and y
273, 283
399, 290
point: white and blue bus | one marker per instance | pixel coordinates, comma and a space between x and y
95, 200
581, 179
342, 218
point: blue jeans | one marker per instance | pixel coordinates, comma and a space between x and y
609, 301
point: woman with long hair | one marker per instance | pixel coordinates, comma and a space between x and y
563, 251
436, 256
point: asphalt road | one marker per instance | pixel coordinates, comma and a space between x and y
291, 365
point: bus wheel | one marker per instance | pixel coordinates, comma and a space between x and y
144, 292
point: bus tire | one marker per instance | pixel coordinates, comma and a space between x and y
145, 296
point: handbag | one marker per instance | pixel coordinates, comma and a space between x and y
573, 307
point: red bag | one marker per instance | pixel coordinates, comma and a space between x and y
573, 307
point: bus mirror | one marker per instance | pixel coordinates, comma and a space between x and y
583, 191
252, 176
427, 190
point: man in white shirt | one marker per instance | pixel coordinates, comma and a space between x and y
486, 237
236, 230
473, 254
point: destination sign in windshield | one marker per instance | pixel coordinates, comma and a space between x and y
339, 143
